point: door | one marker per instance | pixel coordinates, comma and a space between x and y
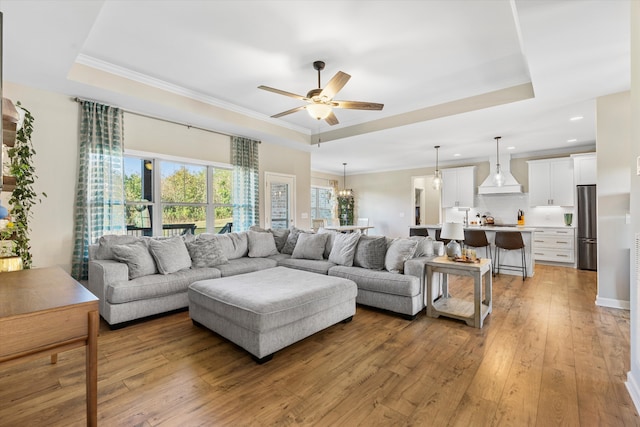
279, 200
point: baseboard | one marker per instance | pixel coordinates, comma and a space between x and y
613, 303
633, 389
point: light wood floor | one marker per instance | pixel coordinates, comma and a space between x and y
546, 356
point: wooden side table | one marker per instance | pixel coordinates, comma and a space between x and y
472, 312
44, 311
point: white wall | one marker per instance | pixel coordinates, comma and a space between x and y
55, 139
613, 121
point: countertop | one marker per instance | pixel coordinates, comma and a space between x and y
484, 227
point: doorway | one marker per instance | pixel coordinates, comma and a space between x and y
279, 200
425, 200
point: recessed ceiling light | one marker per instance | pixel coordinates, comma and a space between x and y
511, 148
457, 155
576, 118
572, 140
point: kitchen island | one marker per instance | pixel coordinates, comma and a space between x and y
506, 257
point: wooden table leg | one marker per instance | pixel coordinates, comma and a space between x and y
54, 358
477, 300
92, 370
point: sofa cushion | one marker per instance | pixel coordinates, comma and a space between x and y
106, 242
261, 244
344, 249
370, 252
206, 253
398, 252
312, 265
171, 255
137, 257
379, 281
292, 239
156, 285
234, 245
245, 265
310, 246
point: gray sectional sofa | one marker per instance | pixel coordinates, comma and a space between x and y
137, 277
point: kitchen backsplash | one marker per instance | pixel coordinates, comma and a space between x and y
504, 209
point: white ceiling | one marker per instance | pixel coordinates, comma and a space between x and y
441, 67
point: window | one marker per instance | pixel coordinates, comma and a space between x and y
322, 203
179, 196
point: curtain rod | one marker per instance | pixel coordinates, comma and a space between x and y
148, 116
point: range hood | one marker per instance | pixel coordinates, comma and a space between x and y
510, 185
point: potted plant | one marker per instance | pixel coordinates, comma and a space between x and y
23, 197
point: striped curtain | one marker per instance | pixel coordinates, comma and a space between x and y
244, 158
99, 206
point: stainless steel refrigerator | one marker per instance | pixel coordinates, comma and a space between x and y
587, 228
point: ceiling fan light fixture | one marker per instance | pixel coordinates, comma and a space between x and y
319, 111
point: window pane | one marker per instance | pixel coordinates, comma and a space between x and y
138, 174
182, 183
177, 219
138, 217
279, 206
222, 186
322, 203
224, 218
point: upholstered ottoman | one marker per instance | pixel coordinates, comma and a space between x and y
267, 310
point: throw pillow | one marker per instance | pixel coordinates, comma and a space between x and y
399, 251
171, 255
292, 239
261, 244
280, 235
205, 253
344, 248
331, 236
370, 252
310, 246
425, 246
105, 243
137, 257
234, 245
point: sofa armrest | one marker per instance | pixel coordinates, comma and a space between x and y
102, 273
418, 267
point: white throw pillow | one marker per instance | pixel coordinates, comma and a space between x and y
399, 251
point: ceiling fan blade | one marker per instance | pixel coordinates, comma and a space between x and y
293, 110
282, 92
336, 83
332, 119
357, 105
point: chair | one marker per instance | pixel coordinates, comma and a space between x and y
510, 240
363, 222
318, 223
478, 239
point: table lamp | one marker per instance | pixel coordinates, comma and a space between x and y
453, 231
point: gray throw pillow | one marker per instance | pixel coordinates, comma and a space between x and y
234, 245
344, 248
205, 253
292, 239
105, 243
398, 252
137, 257
331, 236
425, 246
310, 246
370, 252
171, 255
280, 235
261, 244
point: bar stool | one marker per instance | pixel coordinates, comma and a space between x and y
510, 240
478, 239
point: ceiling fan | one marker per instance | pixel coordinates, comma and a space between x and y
320, 103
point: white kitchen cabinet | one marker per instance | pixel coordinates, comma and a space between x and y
554, 244
585, 168
458, 187
551, 182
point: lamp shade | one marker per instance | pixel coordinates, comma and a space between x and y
319, 111
452, 231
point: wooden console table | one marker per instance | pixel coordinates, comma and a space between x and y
44, 311
472, 312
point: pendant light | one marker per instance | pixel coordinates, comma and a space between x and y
345, 192
437, 177
498, 178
